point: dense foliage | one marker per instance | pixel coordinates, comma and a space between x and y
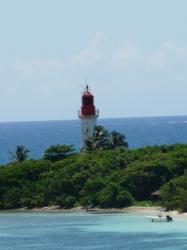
102, 139
58, 152
108, 178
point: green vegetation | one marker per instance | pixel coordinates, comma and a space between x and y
21, 153
102, 139
58, 152
108, 177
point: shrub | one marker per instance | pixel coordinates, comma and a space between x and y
66, 201
124, 199
107, 196
69, 201
27, 202
58, 152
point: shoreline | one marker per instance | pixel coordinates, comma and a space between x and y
141, 210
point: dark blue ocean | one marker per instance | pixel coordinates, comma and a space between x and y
37, 136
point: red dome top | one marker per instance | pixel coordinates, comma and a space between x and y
88, 108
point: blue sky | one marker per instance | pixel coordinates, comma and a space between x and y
133, 54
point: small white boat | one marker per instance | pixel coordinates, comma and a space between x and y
160, 218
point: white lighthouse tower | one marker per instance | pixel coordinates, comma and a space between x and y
88, 116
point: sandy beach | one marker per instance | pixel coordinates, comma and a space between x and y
144, 210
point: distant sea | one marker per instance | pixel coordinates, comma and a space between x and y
37, 136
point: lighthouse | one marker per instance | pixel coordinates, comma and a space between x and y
88, 116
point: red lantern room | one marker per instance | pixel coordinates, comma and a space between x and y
88, 108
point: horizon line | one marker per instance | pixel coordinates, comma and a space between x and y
104, 118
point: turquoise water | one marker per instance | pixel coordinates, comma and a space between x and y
80, 231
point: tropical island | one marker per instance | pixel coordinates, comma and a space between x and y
108, 174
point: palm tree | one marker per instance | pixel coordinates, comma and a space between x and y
102, 139
98, 140
21, 153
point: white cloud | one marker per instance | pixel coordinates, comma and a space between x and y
29, 67
182, 55
98, 40
92, 54
95, 58
127, 56
162, 58
157, 60
165, 58
123, 58
86, 56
